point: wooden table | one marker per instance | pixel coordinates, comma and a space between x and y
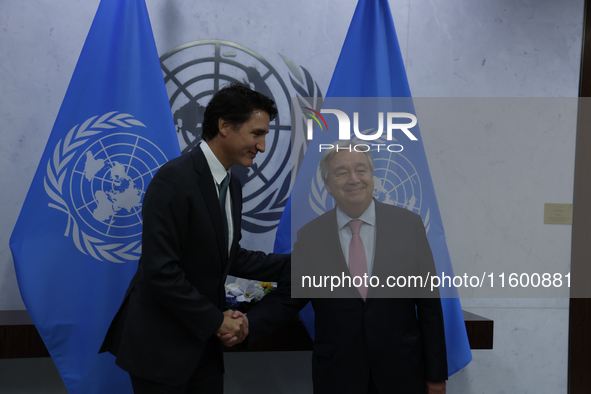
19, 337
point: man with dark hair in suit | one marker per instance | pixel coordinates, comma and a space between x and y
367, 339
166, 331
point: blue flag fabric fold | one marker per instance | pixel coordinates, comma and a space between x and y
371, 65
77, 240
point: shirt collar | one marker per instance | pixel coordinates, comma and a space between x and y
369, 216
218, 171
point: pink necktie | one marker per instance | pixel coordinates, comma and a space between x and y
357, 262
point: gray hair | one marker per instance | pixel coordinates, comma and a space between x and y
339, 146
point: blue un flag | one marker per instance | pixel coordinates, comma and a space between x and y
78, 237
370, 65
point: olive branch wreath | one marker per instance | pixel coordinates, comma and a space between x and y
53, 182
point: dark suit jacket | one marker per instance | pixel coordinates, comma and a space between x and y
173, 304
400, 341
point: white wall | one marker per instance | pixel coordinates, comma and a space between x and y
454, 48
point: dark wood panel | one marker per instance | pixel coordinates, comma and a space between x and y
579, 341
585, 73
579, 346
19, 337
21, 341
291, 337
480, 331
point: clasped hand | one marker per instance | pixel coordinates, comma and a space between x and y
234, 328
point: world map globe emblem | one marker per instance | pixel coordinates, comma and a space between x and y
109, 180
397, 182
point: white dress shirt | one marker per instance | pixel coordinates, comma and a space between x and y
367, 233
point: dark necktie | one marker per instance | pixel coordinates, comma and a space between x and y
223, 192
357, 260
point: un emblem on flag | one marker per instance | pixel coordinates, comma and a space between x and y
111, 167
397, 182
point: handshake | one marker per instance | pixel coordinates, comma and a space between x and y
234, 328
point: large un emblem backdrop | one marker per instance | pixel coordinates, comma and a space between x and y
193, 73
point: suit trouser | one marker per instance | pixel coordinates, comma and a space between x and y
372, 389
207, 378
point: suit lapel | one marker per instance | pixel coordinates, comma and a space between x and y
333, 241
387, 245
381, 245
207, 186
236, 198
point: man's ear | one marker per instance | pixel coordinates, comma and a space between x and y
224, 126
327, 187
